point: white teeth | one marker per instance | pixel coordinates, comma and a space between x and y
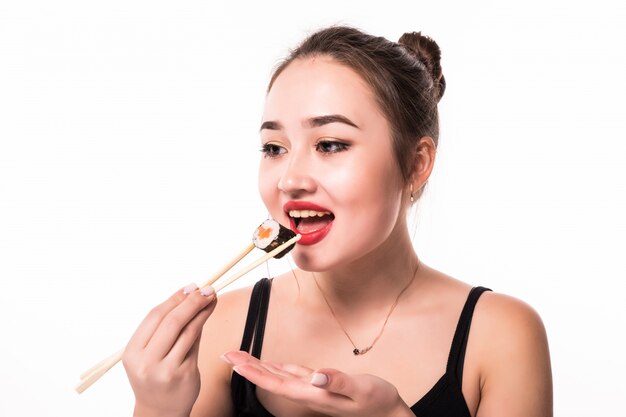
307, 213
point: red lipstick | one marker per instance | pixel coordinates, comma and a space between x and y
313, 229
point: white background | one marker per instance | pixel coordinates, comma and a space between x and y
128, 154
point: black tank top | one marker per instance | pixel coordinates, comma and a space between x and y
445, 398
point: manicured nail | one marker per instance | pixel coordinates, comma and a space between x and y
319, 380
190, 288
207, 291
236, 369
225, 359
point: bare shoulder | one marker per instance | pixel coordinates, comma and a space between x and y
222, 333
228, 319
507, 362
509, 344
496, 315
508, 316
508, 324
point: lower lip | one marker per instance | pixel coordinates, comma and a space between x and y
313, 237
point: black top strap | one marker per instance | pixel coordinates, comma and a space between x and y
257, 315
459, 343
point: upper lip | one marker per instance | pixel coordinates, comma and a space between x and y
303, 205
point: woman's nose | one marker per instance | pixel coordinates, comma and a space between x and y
297, 178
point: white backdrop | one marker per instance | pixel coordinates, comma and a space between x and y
128, 154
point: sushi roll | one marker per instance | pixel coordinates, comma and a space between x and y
271, 234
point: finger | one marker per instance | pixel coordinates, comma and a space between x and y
335, 381
189, 336
148, 326
191, 360
238, 357
192, 354
173, 324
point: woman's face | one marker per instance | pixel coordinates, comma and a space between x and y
328, 169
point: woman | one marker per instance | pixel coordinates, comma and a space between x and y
362, 327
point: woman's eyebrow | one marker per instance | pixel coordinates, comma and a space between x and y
312, 122
327, 119
271, 125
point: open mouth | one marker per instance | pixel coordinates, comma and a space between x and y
310, 221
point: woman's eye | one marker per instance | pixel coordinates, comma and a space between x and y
331, 146
270, 150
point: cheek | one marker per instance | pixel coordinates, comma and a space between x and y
366, 181
268, 189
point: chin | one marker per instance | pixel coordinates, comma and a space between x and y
306, 260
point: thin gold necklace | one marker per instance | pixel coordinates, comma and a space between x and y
363, 351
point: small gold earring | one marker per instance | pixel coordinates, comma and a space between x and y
412, 197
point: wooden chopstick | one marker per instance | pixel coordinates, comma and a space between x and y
89, 377
103, 363
256, 263
227, 267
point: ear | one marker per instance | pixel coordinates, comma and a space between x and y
425, 152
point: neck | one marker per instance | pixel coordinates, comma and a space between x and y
373, 281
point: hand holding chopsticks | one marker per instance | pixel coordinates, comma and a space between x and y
92, 375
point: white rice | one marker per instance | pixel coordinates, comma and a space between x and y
262, 242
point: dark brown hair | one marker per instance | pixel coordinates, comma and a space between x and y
405, 77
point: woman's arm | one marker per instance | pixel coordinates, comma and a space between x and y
510, 344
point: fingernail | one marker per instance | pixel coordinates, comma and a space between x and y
225, 359
207, 291
319, 380
236, 369
190, 288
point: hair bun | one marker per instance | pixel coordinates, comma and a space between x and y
428, 53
